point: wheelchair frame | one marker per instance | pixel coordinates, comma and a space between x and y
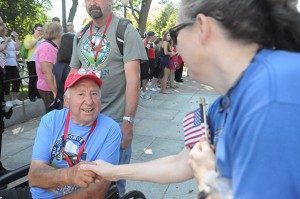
19, 178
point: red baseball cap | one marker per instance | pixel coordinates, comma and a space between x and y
80, 74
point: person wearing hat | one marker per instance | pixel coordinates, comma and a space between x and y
69, 137
150, 64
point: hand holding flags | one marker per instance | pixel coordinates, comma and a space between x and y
195, 125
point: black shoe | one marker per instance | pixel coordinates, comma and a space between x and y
180, 80
32, 99
7, 115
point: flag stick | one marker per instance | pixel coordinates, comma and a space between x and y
202, 101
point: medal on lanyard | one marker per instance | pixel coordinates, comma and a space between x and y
93, 38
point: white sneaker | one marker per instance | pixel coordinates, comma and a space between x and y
144, 95
17, 102
153, 89
9, 104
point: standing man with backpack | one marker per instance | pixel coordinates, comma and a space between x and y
114, 51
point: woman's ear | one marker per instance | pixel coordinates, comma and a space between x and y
204, 26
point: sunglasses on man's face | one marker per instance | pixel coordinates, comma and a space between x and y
175, 30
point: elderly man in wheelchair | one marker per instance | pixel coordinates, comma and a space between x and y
66, 139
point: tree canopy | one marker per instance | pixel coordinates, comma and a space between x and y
22, 15
164, 21
138, 11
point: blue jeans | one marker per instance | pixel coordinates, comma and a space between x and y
125, 156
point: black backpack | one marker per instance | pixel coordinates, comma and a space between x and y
122, 25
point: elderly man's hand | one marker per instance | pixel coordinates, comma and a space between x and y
202, 160
127, 134
80, 177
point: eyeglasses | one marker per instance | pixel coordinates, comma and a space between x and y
175, 30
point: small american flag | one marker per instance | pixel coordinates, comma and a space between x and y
194, 127
2, 62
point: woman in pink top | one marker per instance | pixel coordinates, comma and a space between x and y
45, 59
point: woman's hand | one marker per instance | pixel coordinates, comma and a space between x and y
15, 35
101, 168
202, 160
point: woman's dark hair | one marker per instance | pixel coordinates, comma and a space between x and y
270, 23
36, 26
169, 41
65, 49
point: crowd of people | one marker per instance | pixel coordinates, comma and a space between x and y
253, 66
164, 65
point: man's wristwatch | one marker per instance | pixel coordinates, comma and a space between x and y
129, 119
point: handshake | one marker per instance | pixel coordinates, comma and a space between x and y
85, 173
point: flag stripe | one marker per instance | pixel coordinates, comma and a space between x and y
194, 138
194, 135
193, 131
186, 119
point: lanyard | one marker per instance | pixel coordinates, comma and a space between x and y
103, 35
70, 163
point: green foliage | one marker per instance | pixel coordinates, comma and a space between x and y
165, 20
22, 15
133, 10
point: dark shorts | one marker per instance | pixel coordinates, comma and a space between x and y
145, 70
11, 72
165, 62
154, 69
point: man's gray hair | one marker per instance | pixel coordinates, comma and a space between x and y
67, 93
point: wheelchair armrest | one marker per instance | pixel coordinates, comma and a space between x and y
17, 176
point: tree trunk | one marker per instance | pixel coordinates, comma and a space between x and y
144, 15
73, 11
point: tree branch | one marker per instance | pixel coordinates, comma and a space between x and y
134, 11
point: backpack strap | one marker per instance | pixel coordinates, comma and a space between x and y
122, 25
83, 30
51, 42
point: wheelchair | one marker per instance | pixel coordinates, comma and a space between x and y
18, 178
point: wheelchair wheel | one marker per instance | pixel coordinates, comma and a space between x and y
112, 192
134, 195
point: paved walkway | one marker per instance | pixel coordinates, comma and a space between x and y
157, 133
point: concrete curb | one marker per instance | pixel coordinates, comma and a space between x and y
25, 112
